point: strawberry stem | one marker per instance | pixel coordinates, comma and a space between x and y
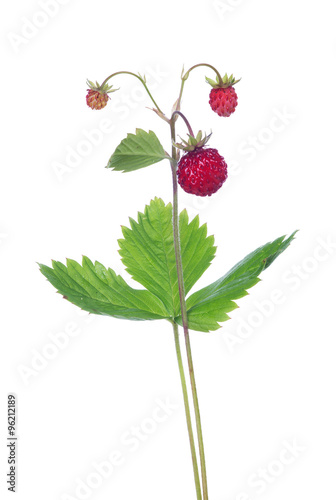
186, 75
184, 315
187, 410
220, 81
139, 78
185, 121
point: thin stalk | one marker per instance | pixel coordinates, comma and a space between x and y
209, 66
190, 130
139, 78
187, 411
184, 316
197, 415
186, 75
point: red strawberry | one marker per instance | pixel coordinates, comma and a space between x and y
96, 99
223, 101
201, 171
223, 97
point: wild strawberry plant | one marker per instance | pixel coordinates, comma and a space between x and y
163, 250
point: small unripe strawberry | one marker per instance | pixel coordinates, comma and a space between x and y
97, 95
202, 171
96, 99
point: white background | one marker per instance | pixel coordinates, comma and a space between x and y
267, 377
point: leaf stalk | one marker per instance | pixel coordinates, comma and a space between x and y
184, 315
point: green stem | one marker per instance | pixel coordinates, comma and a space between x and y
197, 415
139, 78
186, 75
184, 316
187, 411
209, 66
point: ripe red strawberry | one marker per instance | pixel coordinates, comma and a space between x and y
223, 101
201, 171
223, 98
96, 99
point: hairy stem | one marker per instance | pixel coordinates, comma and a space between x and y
179, 268
187, 411
139, 78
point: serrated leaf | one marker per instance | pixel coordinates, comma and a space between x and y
211, 304
197, 249
98, 290
137, 151
147, 251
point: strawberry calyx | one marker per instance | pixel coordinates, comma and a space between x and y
103, 89
193, 142
223, 83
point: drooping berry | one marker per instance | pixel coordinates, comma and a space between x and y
223, 98
223, 101
96, 99
202, 171
97, 95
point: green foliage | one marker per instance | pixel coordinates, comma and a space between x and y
197, 249
98, 290
138, 150
147, 251
211, 304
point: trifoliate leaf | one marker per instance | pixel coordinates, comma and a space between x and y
148, 252
138, 150
98, 290
211, 304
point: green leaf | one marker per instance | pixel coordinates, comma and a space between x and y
138, 150
147, 251
197, 249
98, 290
211, 304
